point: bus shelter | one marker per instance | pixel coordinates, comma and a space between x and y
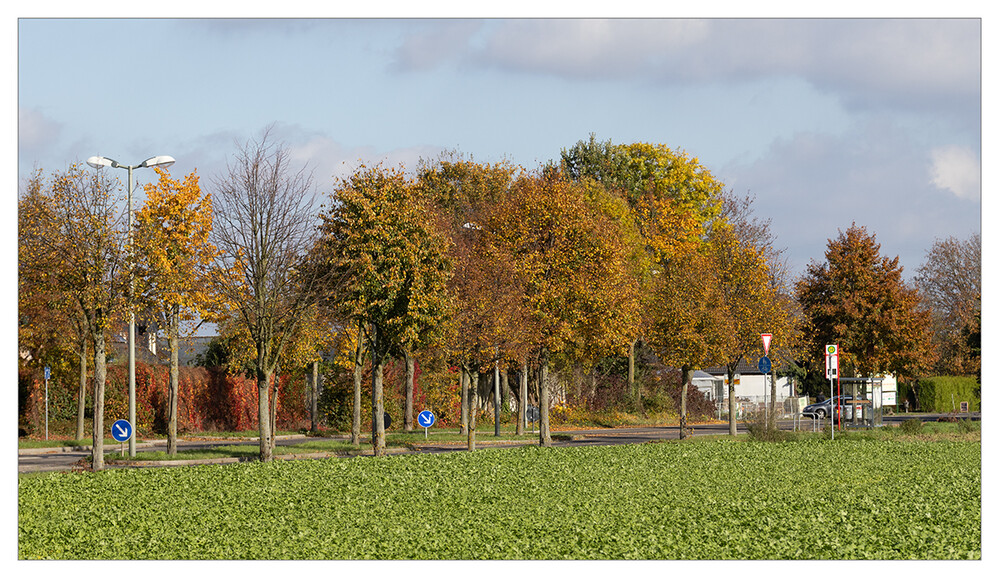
864, 408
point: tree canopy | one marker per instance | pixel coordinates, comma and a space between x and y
857, 299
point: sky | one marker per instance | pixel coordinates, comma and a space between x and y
826, 122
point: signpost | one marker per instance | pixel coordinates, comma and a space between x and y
426, 419
832, 373
764, 366
48, 374
121, 431
532, 414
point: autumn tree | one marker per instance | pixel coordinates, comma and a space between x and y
686, 324
649, 177
263, 230
173, 254
50, 322
752, 300
857, 299
74, 237
572, 262
950, 283
488, 322
378, 235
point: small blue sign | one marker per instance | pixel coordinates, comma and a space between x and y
48, 372
121, 430
426, 418
764, 365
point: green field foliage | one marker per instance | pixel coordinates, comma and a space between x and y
848, 499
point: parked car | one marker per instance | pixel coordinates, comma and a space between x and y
823, 408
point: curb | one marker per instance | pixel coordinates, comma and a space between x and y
143, 445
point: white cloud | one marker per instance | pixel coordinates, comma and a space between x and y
812, 185
958, 170
35, 131
884, 63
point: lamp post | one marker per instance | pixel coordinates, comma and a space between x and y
157, 161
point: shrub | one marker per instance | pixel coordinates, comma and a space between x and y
968, 426
765, 430
911, 426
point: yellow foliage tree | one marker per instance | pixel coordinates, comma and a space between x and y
173, 254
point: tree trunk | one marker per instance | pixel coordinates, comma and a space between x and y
81, 399
263, 414
314, 399
473, 402
377, 399
464, 401
685, 374
522, 403
100, 376
731, 401
173, 334
545, 439
497, 403
355, 427
407, 420
593, 387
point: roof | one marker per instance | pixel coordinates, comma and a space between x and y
189, 349
746, 366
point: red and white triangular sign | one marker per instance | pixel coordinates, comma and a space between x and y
766, 342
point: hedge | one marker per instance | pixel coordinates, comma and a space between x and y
209, 399
946, 392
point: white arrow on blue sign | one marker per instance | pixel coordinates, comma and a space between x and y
121, 430
426, 418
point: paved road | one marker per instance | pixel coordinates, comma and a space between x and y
59, 459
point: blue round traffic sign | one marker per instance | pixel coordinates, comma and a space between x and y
426, 418
121, 430
764, 365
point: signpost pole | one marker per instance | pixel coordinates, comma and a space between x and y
47, 402
766, 337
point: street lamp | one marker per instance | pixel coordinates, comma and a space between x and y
157, 161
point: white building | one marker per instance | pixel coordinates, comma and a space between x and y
752, 388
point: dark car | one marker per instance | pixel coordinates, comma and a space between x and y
822, 409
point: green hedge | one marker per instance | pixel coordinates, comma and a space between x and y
946, 392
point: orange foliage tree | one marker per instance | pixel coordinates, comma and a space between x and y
856, 298
488, 322
573, 266
73, 242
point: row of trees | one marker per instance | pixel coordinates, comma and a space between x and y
475, 265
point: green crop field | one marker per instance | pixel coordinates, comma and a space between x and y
718, 500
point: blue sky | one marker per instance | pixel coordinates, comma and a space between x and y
826, 121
